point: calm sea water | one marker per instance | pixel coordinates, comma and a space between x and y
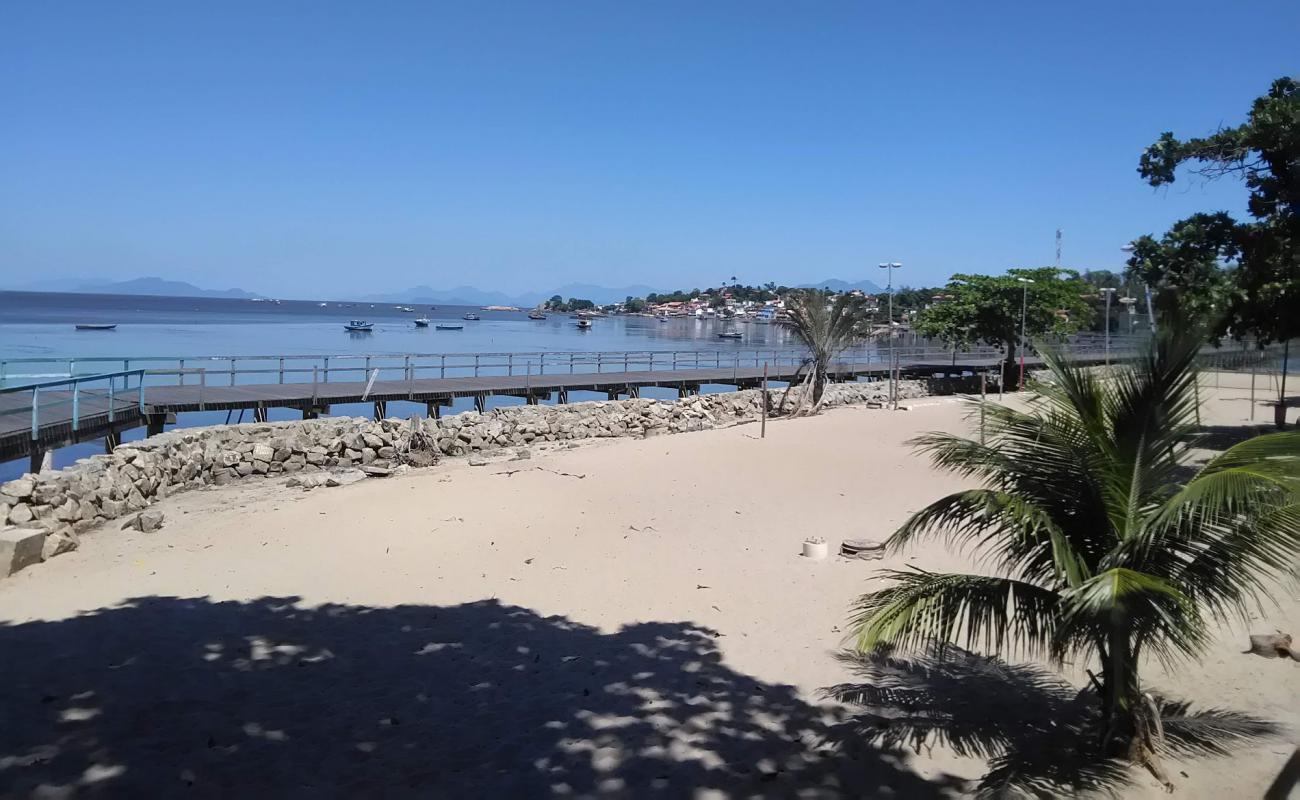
41, 325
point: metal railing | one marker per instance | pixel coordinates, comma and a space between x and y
253, 369
108, 399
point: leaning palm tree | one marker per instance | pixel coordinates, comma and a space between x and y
1103, 544
827, 328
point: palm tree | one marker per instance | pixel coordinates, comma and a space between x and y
1101, 551
826, 327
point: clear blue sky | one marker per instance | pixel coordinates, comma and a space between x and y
522, 145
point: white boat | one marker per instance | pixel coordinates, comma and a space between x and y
472, 317
359, 326
583, 324
730, 335
422, 322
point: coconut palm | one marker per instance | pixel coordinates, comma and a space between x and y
1102, 544
826, 327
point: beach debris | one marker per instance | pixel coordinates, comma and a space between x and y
522, 454
862, 549
815, 547
702, 586
145, 521
1272, 645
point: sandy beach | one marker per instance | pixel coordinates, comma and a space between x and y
623, 618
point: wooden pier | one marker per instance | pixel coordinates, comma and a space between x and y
82, 409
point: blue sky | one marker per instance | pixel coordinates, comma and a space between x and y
523, 145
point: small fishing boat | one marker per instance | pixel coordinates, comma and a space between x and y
663, 319
421, 322
406, 309
583, 324
472, 317
536, 315
96, 327
730, 335
451, 327
359, 326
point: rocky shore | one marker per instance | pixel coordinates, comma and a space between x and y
47, 512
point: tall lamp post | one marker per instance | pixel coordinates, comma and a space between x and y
1024, 306
889, 268
1108, 292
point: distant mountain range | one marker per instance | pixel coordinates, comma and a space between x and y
139, 286
836, 285
458, 295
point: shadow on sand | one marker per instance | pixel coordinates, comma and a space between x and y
1039, 733
185, 697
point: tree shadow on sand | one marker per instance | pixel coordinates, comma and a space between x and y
167, 696
1039, 734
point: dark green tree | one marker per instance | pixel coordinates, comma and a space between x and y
987, 308
1264, 152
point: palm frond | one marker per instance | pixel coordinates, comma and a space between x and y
991, 613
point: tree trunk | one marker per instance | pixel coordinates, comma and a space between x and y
818, 385
1131, 727
1010, 369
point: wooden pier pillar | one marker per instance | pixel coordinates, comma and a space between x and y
562, 396
480, 402
111, 440
433, 409
259, 413
531, 400
155, 423
381, 409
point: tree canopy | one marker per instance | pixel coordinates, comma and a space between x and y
987, 308
1264, 152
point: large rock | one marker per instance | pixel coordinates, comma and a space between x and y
20, 547
58, 542
20, 514
19, 488
263, 452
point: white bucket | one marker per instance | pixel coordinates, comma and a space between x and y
813, 549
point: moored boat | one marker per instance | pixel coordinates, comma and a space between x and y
536, 315
96, 326
451, 327
583, 324
422, 322
730, 335
359, 326
472, 317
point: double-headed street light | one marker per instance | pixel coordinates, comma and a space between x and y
1024, 306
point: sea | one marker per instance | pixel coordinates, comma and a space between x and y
38, 325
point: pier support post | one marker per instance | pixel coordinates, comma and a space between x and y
381, 409
562, 396
531, 400
259, 413
155, 423
433, 409
480, 402
111, 440
42, 460
309, 412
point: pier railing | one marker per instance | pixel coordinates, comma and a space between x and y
105, 397
231, 370
253, 369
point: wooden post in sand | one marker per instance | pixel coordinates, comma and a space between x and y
983, 382
1253, 364
762, 425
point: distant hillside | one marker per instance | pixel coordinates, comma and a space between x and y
836, 285
146, 286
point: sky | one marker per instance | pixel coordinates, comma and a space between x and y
291, 146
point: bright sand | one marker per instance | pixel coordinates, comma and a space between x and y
623, 618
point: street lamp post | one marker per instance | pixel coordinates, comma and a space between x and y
889, 268
1108, 293
1024, 306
